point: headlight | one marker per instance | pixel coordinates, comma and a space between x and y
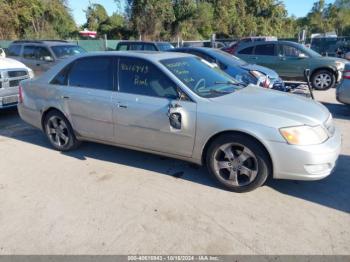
339, 65
304, 135
30, 73
263, 80
257, 74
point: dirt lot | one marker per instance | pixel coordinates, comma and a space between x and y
105, 200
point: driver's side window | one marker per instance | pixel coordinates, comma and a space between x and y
137, 76
291, 51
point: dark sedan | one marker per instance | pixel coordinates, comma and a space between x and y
237, 68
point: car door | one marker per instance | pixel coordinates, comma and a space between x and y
247, 54
293, 62
44, 59
37, 58
266, 55
87, 96
149, 113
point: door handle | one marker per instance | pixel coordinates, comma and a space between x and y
255, 58
65, 97
37, 64
122, 106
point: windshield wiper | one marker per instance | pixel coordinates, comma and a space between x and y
214, 91
230, 83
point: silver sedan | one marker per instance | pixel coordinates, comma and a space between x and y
343, 89
179, 106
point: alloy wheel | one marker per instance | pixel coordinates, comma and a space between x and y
322, 81
235, 164
57, 131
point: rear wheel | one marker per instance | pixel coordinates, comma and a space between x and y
323, 80
59, 131
238, 162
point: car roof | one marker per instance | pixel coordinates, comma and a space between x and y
142, 42
44, 42
154, 56
250, 44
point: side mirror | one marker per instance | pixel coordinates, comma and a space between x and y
48, 59
302, 56
181, 96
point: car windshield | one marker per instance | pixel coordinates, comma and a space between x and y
200, 77
309, 51
227, 58
164, 46
62, 51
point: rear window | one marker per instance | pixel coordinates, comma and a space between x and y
149, 47
122, 47
92, 72
136, 47
164, 46
247, 51
63, 51
14, 50
268, 49
29, 52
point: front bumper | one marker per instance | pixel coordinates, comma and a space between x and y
306, 162
8, 97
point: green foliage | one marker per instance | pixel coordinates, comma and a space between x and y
171, 19
35, 19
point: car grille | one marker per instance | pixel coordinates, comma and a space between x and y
329, 125
17, 73
12, 78
14, 83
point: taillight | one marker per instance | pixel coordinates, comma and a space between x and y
267, 83
346, 74
20, 94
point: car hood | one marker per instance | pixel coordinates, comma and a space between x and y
274, 108
332, 59
271, 73
8, 63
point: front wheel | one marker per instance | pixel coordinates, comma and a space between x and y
323, 80
59, 131
238, 162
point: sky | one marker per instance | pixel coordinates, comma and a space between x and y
294, 7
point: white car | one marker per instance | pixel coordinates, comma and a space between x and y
11, 73
2, 53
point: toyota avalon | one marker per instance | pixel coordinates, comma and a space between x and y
179, 106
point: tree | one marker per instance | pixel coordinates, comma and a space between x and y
35, 19
96, 14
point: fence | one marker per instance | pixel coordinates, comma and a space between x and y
88, 45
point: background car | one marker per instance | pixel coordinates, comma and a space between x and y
291, 59
176, 105
343, 89
11, 73
42, 55
2, 53
237, 68
143, 45
245, 40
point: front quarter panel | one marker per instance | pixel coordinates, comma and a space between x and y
210, 124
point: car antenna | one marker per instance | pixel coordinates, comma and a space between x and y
307, 76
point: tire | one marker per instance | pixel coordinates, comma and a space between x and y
323, 80
59, 131
238, 162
